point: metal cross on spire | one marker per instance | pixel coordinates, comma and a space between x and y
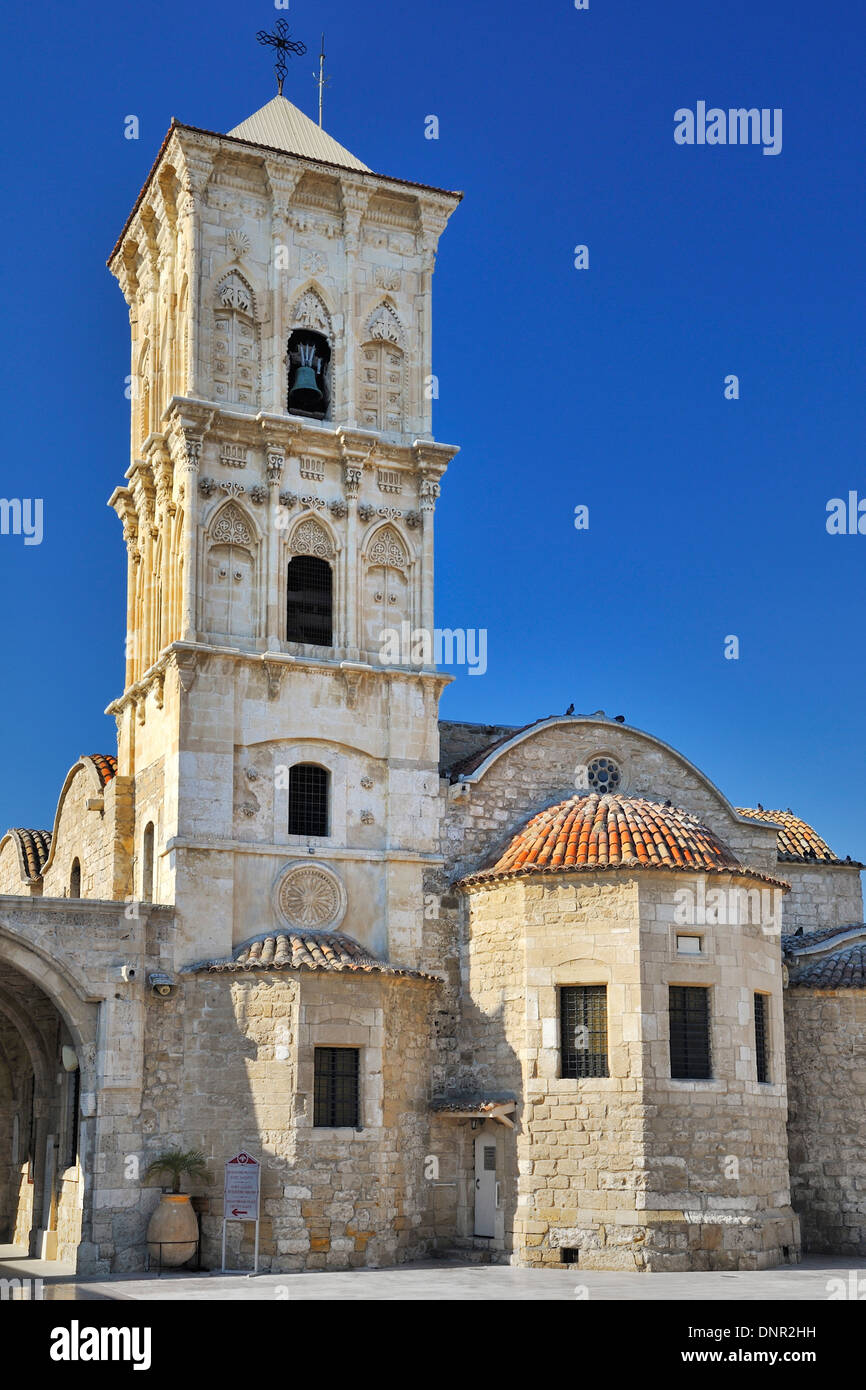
284, 45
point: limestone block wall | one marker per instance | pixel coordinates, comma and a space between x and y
10, 869
826, 1041
233, 840
635, 1170
571, 1175
821, 896
86, 833
230, 1066
716, 1150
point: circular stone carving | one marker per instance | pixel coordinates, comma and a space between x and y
311, 896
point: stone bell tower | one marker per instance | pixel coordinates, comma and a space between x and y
278, 513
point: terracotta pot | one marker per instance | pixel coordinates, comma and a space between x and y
174, 1223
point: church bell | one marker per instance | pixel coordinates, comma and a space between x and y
306, 393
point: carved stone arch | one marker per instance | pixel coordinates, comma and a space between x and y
235, 360
310, 537
309, 309
231, 524
383, 370
234, 291
385, 325
387, 547
232, 601
386, 586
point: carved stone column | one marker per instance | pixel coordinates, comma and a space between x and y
355, 200
276, 462
189, 453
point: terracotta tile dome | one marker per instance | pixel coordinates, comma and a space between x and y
612, 832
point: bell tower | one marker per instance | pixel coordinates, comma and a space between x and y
278, 513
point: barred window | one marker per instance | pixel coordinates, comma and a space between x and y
336, 1086
73, 1116
309, 601
762, 1037
75, 879
308, 799
583, 1030
690, 1032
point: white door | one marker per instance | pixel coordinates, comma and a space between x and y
485, 1186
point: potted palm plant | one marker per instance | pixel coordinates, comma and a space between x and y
172, 1233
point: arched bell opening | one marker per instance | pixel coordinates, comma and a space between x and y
309, 358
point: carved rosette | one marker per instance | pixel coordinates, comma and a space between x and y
311, 897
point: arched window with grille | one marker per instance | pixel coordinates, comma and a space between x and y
309, 794
310, 601
75, 879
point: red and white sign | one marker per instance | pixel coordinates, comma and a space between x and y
241, 1191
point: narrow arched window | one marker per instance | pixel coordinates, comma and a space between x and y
147, 864
309, 601
75, 879
309, 787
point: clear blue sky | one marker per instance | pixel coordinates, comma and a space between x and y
602, 387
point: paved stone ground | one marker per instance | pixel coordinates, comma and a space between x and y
433, 1280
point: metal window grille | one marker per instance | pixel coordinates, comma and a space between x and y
690, 1032
309, 601
72, 1117
336, 1086
308, 799
762, 1038
583, 1030
75, 880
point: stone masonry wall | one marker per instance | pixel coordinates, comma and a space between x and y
821, 896
826, 1041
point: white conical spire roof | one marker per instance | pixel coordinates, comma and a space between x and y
281, 126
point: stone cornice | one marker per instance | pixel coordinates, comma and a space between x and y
197, 418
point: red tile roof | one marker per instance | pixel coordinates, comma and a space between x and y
297, 950
105, 765
612, 832
845, 969
34, 847
797, 842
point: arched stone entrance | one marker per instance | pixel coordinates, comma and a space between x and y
47, 1059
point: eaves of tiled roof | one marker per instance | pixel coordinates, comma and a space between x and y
797, 842
34, 846
592, 833
471, 1102
300, 950
845, 969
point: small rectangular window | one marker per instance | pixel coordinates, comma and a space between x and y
690, 1032
762, 1037
336, 1086
583, 1030
690, 945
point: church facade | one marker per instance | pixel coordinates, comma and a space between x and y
540, 994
